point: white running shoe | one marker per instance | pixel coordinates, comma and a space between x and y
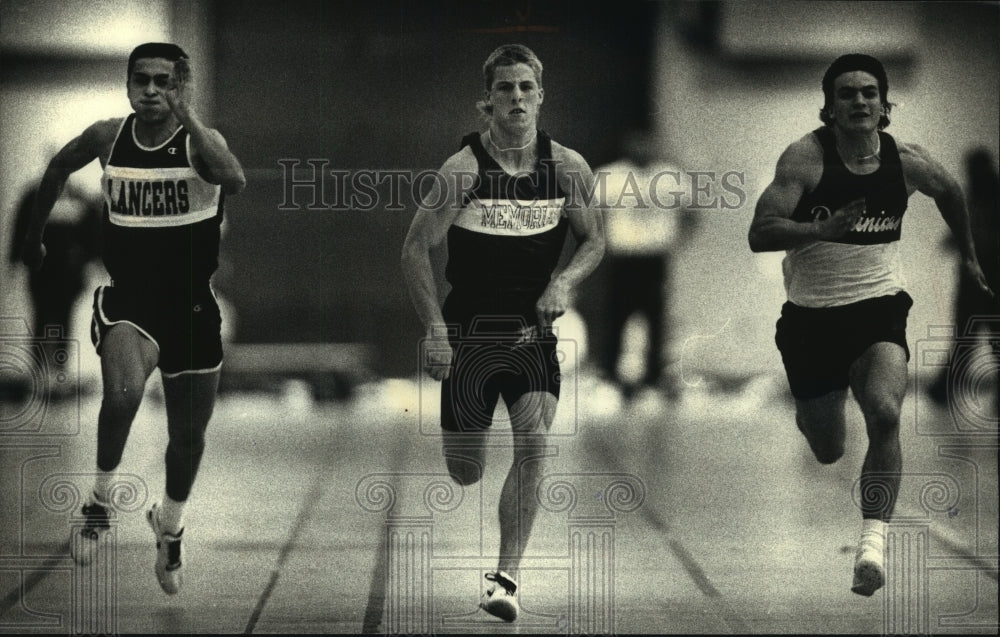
86, 541
168, 554
500, 599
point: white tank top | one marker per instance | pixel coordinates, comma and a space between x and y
825, 274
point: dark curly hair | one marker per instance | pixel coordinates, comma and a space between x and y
855, 62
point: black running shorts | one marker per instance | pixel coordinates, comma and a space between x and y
184, 325
818, 345
496, 354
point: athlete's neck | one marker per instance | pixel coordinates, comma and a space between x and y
858, 148
510, 142
155, 133
515, 154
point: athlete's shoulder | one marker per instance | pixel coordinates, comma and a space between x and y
567, 158
95, 141
921, 169
802, 161
917, 162
457, 172
462, 161
573, 174
103, 132
908, 151
807, 148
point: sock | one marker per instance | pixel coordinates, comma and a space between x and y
102, 485
171, 515
872, 537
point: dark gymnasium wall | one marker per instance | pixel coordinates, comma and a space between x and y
387, 85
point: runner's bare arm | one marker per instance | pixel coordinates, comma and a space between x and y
93, 143
587, 226
930, 178
798, 171
429, 228
210, 154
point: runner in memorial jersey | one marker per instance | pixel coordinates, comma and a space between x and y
836, 206
504, 203
165, 176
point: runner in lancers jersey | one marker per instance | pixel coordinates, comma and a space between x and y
165, 177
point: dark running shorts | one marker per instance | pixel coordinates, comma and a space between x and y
185, 326
818, 345
494, 355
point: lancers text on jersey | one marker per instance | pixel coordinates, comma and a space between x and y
148, 198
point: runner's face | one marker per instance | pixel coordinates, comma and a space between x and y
515, 96
857, 102
147, 87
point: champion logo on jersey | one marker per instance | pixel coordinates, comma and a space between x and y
172, 150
